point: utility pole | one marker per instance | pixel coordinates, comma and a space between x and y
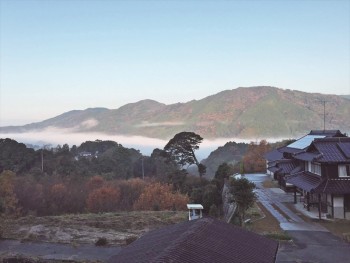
143, 170
42, 160
324, 115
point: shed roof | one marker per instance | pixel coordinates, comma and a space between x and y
194, 206
304, 180
204, 240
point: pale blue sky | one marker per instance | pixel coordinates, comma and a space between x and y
61, 55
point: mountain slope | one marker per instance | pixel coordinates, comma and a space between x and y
256, 112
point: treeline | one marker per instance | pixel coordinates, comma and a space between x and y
55, 196
104, 176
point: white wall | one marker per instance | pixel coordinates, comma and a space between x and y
338, 203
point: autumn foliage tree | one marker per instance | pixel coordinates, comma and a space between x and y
130, 191
157, 196
58, 198
30, 196
104, 199
254, 160
95, 182
8, 199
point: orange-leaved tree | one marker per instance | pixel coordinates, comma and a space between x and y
157, 196
130, 192
103, 199
254, 160
94, 183
8, 199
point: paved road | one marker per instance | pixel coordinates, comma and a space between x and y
311, 241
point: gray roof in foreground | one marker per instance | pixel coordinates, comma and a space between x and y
203, 240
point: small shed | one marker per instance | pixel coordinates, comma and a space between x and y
194, 211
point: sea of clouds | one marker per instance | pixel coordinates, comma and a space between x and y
55, 136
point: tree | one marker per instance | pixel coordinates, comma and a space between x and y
254, 160
8, 199
243, 194
181, 148
104, 199
211, 196
157, 196
223, 172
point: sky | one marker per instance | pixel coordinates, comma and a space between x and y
60, 55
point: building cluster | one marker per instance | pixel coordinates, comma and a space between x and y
317, 168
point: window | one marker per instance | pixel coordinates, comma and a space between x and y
316, 168
344, 170
308, 166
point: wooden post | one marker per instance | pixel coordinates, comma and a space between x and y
319, 206
308, 201
332, 205
295, 194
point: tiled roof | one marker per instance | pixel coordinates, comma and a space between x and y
203, 240
273, 169
334, 186
328, 133
345, 148
304, 180
333, 149
297, 169
289, 150
287, 166
306, 156
274, 155
315, 184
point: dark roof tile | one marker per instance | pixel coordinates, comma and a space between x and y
287, 166
330, 151
306, 156
274, 155
334, 186
304, 180
203, 240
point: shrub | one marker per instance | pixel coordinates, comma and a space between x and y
101, 241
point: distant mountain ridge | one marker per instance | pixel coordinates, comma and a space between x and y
255, 112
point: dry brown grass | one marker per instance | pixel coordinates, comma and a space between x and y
265, 224
85, 228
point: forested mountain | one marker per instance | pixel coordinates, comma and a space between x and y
256, 112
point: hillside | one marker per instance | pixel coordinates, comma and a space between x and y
230, 153
256, 112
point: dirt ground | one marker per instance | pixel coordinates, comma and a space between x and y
118, 229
